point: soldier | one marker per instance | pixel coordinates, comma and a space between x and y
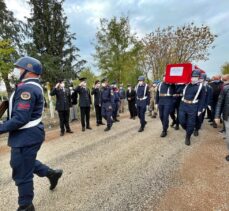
26, 131
96, 91
178, 92
63, 104
116, 102
107, 97
142, 101
164, 99
73, 109
84, 103
131, 98
192, 104
152, 106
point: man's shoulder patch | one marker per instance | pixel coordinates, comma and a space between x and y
25, 96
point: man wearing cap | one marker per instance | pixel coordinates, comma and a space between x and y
131, 99
84, 103
116, 102
63, 104
142, 101
96, 91
164, 100
26, 131
107, 98
192, 105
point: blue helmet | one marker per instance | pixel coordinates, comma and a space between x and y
203, 76
141, 78
30, 64
196, 73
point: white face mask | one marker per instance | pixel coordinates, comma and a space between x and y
194, 80
16, 73
103, 84
141, 83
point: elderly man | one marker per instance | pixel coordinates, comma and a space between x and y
222, 107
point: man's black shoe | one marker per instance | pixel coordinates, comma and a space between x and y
227, 158
173, 123
177, 127
89, 128
141, 129
61, 134
97, 124
116, 120
101, 123
210, 120
54, 176
187, 140
83, 129
222, 131
163, 134
107, 129
214, 125
26, 208
196, 133
69, 131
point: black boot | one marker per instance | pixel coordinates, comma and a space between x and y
26, 208
214, 125
107, 128
196, 133
187, 140
163, 133
54, 176
177, 127
227, 158
173, 123
141, 129
89, 128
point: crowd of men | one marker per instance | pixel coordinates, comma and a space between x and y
186, 104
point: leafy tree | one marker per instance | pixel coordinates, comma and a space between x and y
187, 43
11, 36
116, 50
51, 40
225, 68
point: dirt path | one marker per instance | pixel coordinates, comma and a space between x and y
126, 170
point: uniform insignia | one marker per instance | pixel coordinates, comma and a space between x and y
29, 65
25, 96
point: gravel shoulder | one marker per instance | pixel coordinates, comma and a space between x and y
126, 170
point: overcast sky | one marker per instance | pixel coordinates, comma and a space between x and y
145, 16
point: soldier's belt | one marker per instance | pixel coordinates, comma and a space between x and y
165, 95
189, 101
3, 107
177, 95
142, 98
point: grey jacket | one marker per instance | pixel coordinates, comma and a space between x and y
223, 104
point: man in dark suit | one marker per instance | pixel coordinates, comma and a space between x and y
131, 98
84, 103
63, 104
96, 91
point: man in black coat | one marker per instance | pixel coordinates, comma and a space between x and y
63, 104
84, 103
96, 91
131, 98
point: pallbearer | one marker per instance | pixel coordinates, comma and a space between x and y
192, 105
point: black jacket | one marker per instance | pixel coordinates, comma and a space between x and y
131, 94
63, 99
216, 89
97, 96
85, 96
223, 103
74, 97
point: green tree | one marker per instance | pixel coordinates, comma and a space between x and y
116, 50
225, 68
51, 40
11, 37
183, 44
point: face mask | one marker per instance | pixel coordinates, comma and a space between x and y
103, 84
16, 73
115, 86
194, 80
